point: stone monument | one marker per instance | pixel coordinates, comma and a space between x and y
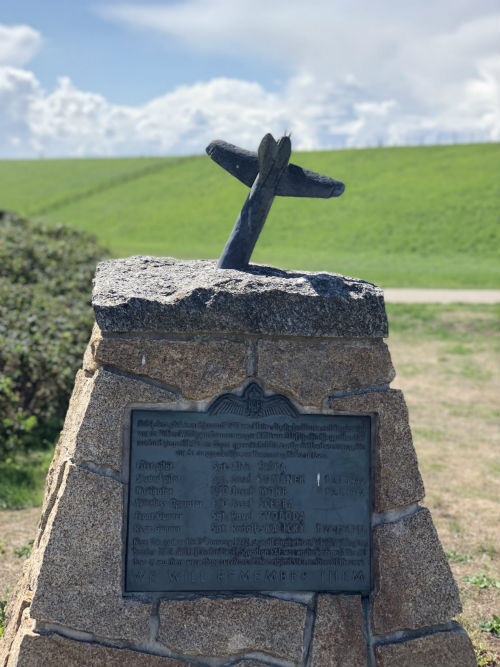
236, 483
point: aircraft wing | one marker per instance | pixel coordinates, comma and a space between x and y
298, 182
295, 182
242, 164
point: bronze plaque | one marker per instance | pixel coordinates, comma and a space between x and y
248, 496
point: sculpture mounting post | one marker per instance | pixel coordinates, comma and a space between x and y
267, 173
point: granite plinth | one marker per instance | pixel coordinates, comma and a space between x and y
173, 336
171, 295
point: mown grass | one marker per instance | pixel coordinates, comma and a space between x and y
419, 216
464, 327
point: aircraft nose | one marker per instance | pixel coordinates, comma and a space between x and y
338, 189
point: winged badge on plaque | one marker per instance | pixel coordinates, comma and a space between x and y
252, 403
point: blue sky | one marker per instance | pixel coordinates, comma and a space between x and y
112, 78
125, 64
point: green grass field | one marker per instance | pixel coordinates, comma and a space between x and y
410, 217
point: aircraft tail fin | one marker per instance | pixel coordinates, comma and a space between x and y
273, 154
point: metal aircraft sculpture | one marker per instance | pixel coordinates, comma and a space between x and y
268, 174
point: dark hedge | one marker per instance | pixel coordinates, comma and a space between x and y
45, 322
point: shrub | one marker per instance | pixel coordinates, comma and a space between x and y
45, 284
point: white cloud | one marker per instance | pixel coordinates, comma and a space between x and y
426, 62
68, 121
19, 90
18, 44
72, 122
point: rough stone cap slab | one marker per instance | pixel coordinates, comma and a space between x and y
171, 295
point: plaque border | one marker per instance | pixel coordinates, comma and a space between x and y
204, 406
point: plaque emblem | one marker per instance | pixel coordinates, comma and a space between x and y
252, 403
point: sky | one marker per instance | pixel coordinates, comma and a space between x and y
107, 78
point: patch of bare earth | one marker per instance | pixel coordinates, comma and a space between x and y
17, 528
452, 395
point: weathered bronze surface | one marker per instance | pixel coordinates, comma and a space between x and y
249, 496
267, 174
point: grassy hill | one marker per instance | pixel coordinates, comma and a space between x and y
419, 216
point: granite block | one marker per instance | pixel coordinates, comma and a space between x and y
93, 430
442, 649
171, 295
34, 650
89, 363
197, 368
311, 370
338, 639
76, 570
219, 627
414, 586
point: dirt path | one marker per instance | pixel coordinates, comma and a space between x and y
420, 295
17, 528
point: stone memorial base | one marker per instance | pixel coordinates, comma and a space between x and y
176, 335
